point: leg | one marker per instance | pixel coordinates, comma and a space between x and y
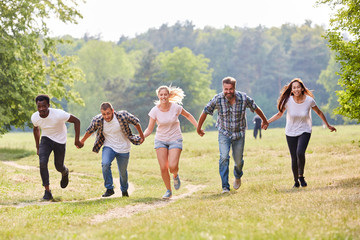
108, 156
260, 131
44, 153
255, 132
237, 152
122, 161
162, 156
174, 157
292, 144
224, 148
59, 157
301, 149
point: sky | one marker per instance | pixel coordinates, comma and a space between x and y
115, 18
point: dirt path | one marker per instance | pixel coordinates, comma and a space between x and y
122, 212
24, 204
130, 210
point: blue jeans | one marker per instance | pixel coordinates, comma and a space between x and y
237, 152
122, 159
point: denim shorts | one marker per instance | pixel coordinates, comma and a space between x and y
168, 145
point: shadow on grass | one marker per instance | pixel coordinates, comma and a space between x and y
217, 195
13, 154
344, 183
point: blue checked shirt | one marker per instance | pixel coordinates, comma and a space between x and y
124, 118
231, 120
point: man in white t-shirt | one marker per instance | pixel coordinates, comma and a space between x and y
115, 135
53, 139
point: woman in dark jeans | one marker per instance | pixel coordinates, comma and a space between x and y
298, 101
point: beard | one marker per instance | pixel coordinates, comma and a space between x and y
229, 96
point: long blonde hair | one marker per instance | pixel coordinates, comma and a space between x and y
176, 94
286, 93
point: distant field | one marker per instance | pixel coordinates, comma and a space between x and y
265, 207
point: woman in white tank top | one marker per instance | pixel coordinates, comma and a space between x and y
298, 101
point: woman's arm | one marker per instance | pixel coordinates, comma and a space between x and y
275, 117
150, 127
189, 117
322, 116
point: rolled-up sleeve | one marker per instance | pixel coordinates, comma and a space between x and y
250, 103
211, 106
94, 125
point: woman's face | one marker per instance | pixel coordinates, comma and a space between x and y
296, 89
163, 96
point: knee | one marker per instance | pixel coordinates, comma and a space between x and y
164, 169
224, 160
173, 169
43, 165
106, 166
300, 155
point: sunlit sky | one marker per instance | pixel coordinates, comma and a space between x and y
114, 18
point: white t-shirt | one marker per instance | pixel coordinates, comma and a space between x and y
114, 137
53, 126
298, 117
168, 124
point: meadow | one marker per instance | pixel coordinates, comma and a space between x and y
265, 207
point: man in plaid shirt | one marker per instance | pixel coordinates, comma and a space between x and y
115, 135
231, 123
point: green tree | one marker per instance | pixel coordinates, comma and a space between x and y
190, 72
346, 20
329, 79
138, 96
29, 62
103, 63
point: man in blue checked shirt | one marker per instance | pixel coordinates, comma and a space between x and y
231, 123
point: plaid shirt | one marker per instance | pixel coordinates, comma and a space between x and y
231, 120
124, 119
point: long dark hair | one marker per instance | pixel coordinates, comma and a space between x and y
285, 93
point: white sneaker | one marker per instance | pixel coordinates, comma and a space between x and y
237, 183
225, 190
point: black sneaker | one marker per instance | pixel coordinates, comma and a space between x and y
108, 193
302, 182
65, 179
125, 194
47, 195
296, 185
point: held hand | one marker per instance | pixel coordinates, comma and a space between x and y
79, 144
37, 151
331, 128
200, 132
142, 139
264, 125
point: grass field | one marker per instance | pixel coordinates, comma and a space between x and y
265, 207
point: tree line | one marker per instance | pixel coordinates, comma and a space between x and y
79, 74
262, 60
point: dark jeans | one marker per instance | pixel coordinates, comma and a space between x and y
45, 148
297, 146
256, 129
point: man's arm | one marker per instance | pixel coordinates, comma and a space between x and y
36, 132
200, 123
264, 123
138, 128
76, 123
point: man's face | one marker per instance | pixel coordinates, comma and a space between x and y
43, 108
229, 91
107, 114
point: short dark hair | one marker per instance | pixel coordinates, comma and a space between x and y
229, 80
106, 105
42, 97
